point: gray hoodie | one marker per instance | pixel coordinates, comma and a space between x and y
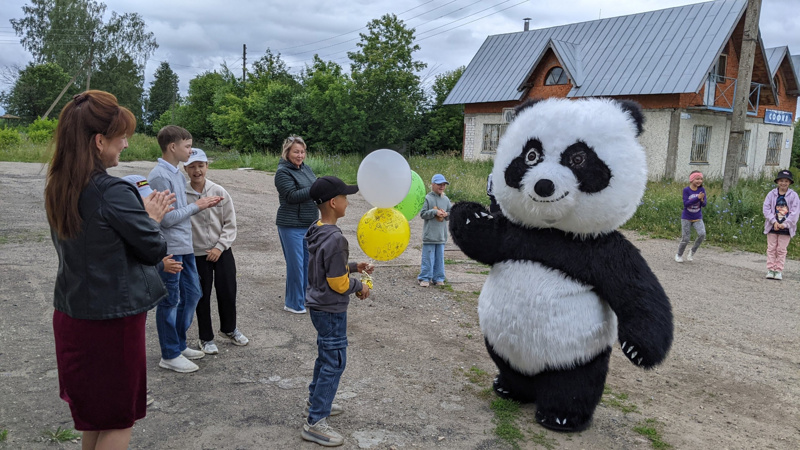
329, 282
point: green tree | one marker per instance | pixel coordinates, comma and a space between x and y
71, 32
334, 122
120, 75
36, 88
163, 95
442, 127
387, 84
268, 69
200, 104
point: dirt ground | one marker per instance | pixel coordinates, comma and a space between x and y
731, 381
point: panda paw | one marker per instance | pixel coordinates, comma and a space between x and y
563, 421
638, 355
472, 228
499, 389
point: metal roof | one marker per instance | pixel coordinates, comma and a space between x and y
796, 63
774, 57
656, 52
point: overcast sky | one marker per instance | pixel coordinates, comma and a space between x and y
195, 36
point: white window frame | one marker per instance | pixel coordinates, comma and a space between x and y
701, 140
774, 144
492, 132
745, 148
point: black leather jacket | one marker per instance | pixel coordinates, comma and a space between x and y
108, 270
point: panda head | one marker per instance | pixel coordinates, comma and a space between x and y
573, 165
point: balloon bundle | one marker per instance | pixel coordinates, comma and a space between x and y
397, 194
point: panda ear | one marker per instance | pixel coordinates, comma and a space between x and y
525, 105
635, 111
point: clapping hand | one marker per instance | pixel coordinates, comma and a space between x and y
157, 204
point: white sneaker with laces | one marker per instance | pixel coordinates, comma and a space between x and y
690, 256
321, 433
191, 353
208, 347
678, 258
778, 275
770, 274
237, 337
179, 364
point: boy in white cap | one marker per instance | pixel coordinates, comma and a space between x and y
435, 212
213, 232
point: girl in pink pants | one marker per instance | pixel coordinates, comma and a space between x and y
781, 211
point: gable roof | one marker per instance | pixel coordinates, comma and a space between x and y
776, 57
656, 52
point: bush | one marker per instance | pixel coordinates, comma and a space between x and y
48, 125
9, 138
40, 136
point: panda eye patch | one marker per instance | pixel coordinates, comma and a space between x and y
533, 152
592, 173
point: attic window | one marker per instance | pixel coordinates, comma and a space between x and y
556, 75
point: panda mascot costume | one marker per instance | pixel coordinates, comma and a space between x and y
564, 284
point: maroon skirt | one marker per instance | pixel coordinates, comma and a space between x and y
102, 370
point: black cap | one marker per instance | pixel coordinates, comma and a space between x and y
326, 188
784, 174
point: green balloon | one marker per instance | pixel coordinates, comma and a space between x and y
413, 202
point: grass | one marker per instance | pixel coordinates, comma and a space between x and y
61, 435
506, 413
733, 220
617, 401
544, 441
649, 428
3, 435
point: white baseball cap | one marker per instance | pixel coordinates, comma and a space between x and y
196, 155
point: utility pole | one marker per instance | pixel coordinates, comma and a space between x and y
91, 58
746, 56
244, 63
53, 105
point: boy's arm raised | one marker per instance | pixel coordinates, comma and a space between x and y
177, 215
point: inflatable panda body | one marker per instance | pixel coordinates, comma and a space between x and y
564, 284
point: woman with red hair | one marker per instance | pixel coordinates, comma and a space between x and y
108, 243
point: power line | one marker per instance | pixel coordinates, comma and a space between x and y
471, 21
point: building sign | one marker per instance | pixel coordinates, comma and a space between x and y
778, 117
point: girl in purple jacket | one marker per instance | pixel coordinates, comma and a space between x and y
694, 198
781, 210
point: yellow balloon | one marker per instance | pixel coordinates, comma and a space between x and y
383, 233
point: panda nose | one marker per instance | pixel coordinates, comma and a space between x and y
544, 188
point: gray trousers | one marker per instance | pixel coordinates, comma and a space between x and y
686, 234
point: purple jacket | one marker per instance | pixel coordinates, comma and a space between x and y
692, 203
792, 201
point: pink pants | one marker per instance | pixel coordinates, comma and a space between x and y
776, 250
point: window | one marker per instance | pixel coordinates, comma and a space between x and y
492, 132
556, 75
701, 137
774, 149
777, 82
745, 148
721, 63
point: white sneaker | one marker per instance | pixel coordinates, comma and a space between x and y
237, 337
690, 256
678, 258
321, 433
191, 353
770, 274
179, 364
778, 275
294, 311
208, 347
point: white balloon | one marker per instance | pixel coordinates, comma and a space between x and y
384, 178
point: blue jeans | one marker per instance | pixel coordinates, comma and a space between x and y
331, 360
174, 314
432, 267
295, 252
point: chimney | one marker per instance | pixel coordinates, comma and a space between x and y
527, 23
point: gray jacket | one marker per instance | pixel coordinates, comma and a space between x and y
329, 282
433, 231
296, 208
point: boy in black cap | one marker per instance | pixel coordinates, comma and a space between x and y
781, 211
327, 298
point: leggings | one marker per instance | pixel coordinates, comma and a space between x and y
686, 234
